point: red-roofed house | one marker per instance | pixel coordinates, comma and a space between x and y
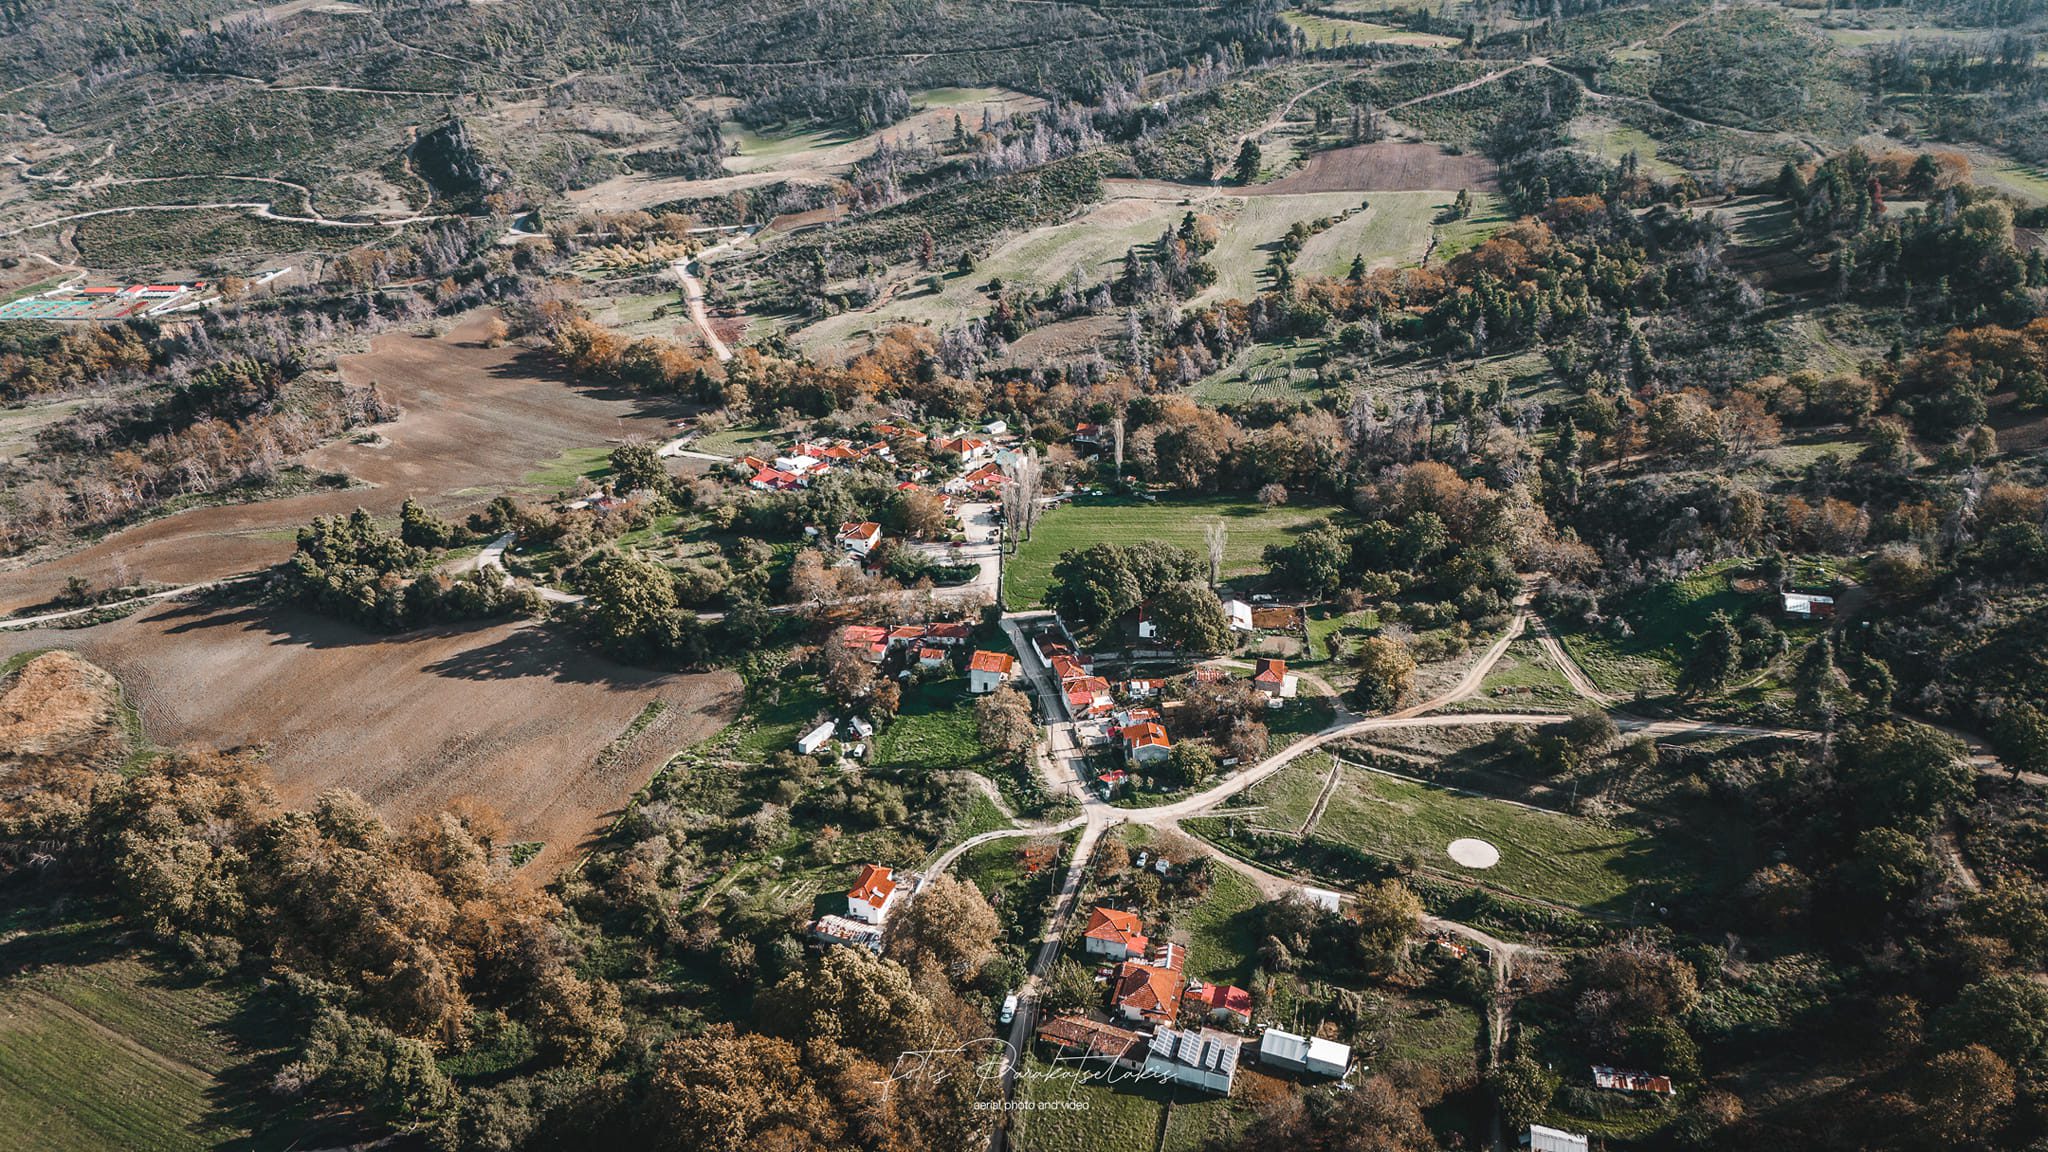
1065, 668
965, 447
872, 894
1146, 743
861, 538
871, 641
1149, 993
1224, 1001
1270, 677
987, 671
1114, 933
775, 480
929, 658
952, 633
907, 633
1088, 696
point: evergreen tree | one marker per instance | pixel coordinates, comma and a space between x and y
1715, 657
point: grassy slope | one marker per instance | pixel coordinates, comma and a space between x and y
1181, 521
1543, 854
99, 1050
1394, 231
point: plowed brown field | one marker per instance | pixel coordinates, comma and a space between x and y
474, 421
508, 713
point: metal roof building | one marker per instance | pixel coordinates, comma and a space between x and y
1303, 1054
1205, 1059
1541, 1139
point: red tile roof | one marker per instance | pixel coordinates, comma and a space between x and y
1147, 735
954, 631
1270, 672
875, 885
1152, 992
1091, 1038
1227, 998
1117, 927
862, 635
1001, 663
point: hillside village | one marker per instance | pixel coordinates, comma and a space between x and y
1196, 576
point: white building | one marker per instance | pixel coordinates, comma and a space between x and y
1239, 614
1205, 1058
1303, 1054
860, 539
1322, 898
871, 896
1541, 1139
816, 738
988, 671
1807, 605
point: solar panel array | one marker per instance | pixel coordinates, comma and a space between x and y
1211, 1051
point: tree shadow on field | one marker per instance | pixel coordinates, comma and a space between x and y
519, 650
535, 364
540, 651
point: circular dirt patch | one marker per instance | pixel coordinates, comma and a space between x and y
1474, 853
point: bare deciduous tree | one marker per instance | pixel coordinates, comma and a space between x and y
1218, 535
1025, 479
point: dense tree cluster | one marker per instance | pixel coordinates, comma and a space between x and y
347, 566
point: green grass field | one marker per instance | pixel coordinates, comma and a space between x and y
1439, 1034
1067, 1113
1336, 31
1094, 243
1222, 947
1330, 633
1663, 619
1524, 681
100, 1050
934, 729
1394, 231
1264, 372
564, 470
1612, 141
1242, 252
742, 440
774, 725
1542, 854
1176, 520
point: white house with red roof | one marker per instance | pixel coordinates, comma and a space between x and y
1114, 933
871, 641
772, 479
1146, 743
954, 632
860, 539
872, 894
1273, 678
1223, 1001
988, 671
